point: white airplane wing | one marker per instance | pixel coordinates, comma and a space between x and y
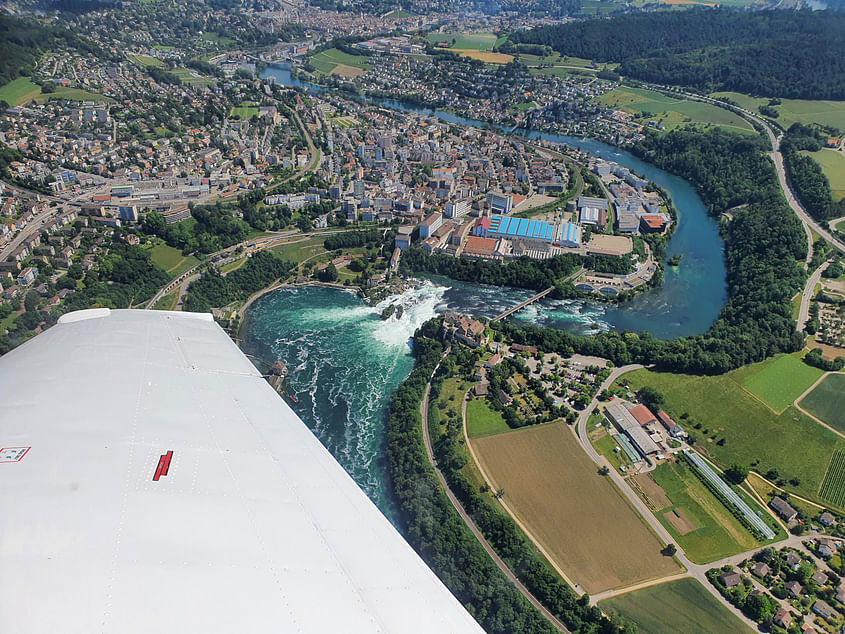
152, 481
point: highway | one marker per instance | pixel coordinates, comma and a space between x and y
807, 295
777, 158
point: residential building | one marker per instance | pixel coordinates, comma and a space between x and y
823, 609
782, 508
730, 579
431, 224
783, 618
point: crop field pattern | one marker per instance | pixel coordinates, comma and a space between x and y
677, 606
833, 485
717, 408
827, 401
582, 521
779, 381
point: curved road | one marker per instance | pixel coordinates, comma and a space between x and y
468, 520
808, 221
808, 293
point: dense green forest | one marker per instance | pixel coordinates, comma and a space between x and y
22, 42
438, 534
798, 54
806, 176
126, 277
214, 290
213, 228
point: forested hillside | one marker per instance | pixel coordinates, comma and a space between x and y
797, 54
23, 41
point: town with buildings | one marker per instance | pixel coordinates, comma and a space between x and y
194, 156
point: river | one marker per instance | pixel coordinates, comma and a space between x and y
345, 362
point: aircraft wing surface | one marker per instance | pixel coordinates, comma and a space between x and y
152, 481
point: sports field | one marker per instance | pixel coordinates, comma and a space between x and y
582, 521
327, 61
672, 112
792, 443
779, 380
677, 606
830, 113
832, 163
827, 401
465, 41
244, 112
482, 420
703, 526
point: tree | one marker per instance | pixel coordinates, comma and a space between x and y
736, 473
328, 274
652, 398
30, 301
74, 271
760, 607
604, 470
303, 223
670, 550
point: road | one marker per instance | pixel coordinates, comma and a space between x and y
807, 295
777, 157
696, 571
468, 520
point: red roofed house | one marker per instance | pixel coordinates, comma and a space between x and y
643, 415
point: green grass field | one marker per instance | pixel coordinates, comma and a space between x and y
244, 112
791, 442
678, 606
829, 113
299, 250
191, 76
22, 90
717, 532
672, 112
827, 401
606, 446
145, 60
832, 163
476, 41
167, 302
18, 91
214, 37
779, 380
72, 94
482, 420
326, 61
171, 259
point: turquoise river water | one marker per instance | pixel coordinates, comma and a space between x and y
345, 362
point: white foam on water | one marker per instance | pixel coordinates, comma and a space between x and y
418, 306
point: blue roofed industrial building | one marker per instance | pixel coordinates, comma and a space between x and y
512, 227
565, 234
